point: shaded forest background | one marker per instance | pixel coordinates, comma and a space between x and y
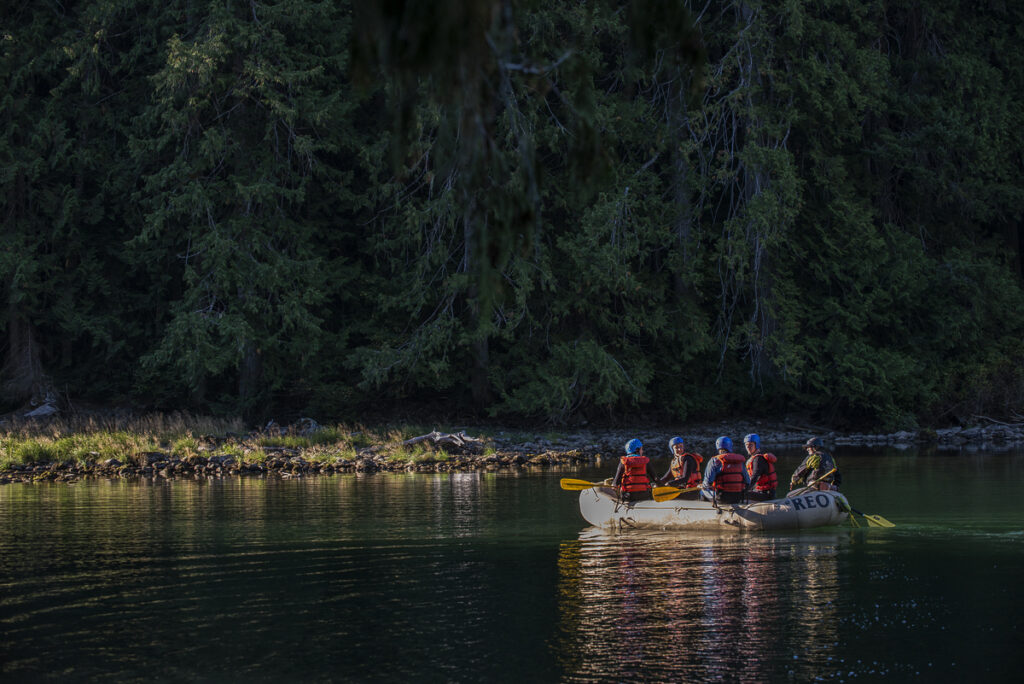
519, 210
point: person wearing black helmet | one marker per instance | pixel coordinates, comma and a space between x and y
819, 464
684, 470
634, 476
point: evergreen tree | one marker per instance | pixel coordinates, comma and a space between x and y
69, 91
236, 149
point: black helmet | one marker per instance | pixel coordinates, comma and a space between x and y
814, 443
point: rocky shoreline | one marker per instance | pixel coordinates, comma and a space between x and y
499, 450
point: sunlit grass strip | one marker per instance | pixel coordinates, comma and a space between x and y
90, 440
82, 448
328, 436
329, 454
236, 451
420, 454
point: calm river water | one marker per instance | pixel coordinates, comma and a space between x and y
496, 577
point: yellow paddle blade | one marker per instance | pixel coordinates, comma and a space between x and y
665, 493
668, 493
873, 520
878, 521
576, 485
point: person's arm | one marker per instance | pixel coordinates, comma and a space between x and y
619, 474
760, 470
805, 469
823, 468
667, 477
710, 473
689, 467
837, 477
829, 463
616, 480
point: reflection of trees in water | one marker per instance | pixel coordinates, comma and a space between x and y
813, 589
444, 504
694, 607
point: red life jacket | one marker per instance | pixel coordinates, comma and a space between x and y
730, 479
768, 482
677, 468
634, 474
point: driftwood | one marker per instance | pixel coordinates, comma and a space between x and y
805, 428
44, 410
459, 440
303, 427
997, 422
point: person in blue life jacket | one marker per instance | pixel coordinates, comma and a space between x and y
726, 479
634, 477
818, 462
761, 468
684, 470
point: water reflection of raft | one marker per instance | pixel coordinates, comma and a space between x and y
798, 510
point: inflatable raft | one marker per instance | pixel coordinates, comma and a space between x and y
799, 510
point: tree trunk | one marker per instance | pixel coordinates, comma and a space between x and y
680, 185
1015, 243
249, 375
479, 384
24, 379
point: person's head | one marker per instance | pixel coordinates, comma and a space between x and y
723, 444
752, 442
814, 444
677, 446
634, 447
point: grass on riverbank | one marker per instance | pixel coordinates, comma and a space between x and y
85, 440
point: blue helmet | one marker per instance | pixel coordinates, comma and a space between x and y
676, 440
633, 446
753, 438
723, 443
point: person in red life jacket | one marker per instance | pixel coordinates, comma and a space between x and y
726, 478
818, 462
635, 476
761, 468
684, 471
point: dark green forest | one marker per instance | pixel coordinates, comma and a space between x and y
516, 210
